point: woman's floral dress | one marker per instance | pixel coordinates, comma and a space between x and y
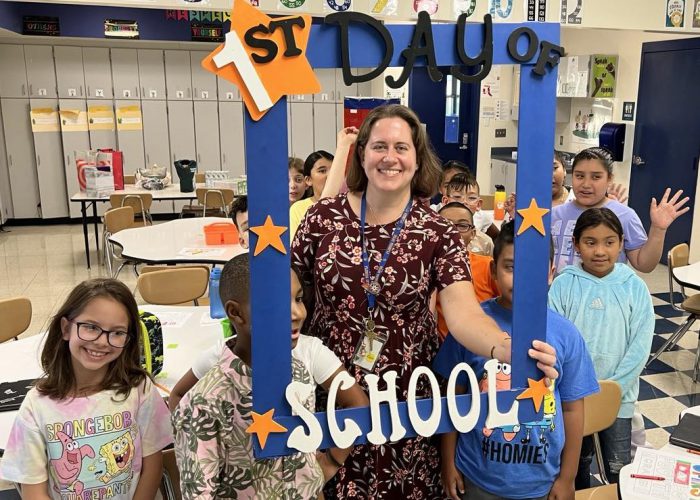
428, 255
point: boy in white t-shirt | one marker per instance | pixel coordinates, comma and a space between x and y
214, 453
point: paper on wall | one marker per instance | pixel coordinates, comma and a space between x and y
129, 118
100, 118
73, 120
44, 120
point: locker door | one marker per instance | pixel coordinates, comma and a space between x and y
178, 76
156, 142
302, 125
328, 91
182, 136
343, 90
152, 74
324, 127
125, 73
232, 136
206, 127
364, 89
339, 116
13, 71
72, 140
130, 141
204, 84
227, 90
102, 133
98, 73
21, 163
41, 76
6, 211
69, 72
51, 172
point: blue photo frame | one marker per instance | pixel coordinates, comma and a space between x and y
266, 160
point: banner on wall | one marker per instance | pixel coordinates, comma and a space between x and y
44, 120
675, 13
330, 6
464, 7
207, 32
73, 120
536, 10
129, 118
41, 26
384, 7
125, 29
603, 71
575, 16
100, 118
696, 14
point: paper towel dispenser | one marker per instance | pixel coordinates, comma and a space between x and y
612, 137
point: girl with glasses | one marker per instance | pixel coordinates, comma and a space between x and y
94, 423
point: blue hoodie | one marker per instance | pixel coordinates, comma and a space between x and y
616, 319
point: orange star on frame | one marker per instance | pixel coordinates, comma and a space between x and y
269, 235
536, 391
263, 425
532, 217
263, 84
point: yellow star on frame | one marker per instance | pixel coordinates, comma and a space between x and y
536, 391
532, 217
263, 425
269, 235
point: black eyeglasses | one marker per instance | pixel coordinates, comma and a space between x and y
90, 332
463, 227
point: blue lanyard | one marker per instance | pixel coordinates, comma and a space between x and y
371, 285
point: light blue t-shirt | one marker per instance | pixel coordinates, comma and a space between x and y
564, 219
521, 461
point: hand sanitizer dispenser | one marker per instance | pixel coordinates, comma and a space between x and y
612, 137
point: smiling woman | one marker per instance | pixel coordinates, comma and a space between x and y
374, 257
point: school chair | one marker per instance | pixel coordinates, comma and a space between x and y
16, 313
607, 492
140, 203
115, 220
599, 412
487, 202
173, 286
199, 178
217, 199
170, 483
202, 301
678, 257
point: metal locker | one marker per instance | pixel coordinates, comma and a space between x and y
13, 71
206, 130
98, 73
328, 86
151, 74
21, 164
130, 139
69, 72
102, 130
302, 125
6, 211
227, 90
204, 84
324, 127
156, 142
125, 73
182, 136
232, 137
51, 172
178, 76
72, 140
41, 76
343, 90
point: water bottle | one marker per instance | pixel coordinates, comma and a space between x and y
499, 200
216, 308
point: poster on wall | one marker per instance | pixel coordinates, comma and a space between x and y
536, 10
129, 118
696, 14
429, 6
464, 7
73, 120
331, 6
125, 29
603, 71
290, 4
675, 13
587, 117
571, 14
385, 7
41, 26
44, 120
100, 118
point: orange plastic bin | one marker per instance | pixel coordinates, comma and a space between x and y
220, 233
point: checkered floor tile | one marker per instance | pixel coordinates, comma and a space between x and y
666, 386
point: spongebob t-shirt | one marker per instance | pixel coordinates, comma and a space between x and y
521, 461
89, 447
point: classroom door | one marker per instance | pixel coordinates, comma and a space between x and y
667, 131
